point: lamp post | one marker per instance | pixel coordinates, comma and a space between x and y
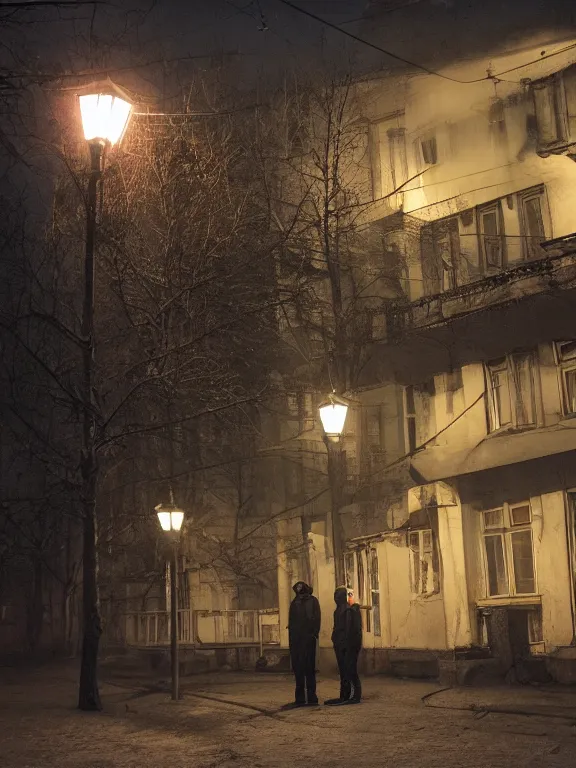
333, 417
104, 119
171, 519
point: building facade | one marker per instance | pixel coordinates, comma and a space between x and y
459, 508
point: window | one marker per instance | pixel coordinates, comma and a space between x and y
300, 406
374, 590
424, 575
418, 416
566, 356
440, 245
507, 533
555, 106
426, 152
511, 392
349, 570
491, 233
410, 411
531, 205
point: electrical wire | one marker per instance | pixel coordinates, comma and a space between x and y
414, 64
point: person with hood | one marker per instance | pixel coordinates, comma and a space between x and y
303, 631
347, 642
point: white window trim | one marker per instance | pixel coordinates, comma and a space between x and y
506, 530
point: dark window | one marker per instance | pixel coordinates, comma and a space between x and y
531, 210
491, 231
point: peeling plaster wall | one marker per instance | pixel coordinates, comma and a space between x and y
552, 571
409, 621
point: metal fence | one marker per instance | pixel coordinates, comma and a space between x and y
152, 628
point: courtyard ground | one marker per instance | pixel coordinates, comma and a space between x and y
231, 719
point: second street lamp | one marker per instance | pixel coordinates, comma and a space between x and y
171, 518
333, 417
104, 119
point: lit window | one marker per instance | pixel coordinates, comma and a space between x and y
508, 550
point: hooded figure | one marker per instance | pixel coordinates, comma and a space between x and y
303, 630
347, 642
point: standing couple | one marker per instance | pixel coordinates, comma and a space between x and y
303, 631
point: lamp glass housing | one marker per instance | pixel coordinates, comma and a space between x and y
333, 416
170, 519
104, 117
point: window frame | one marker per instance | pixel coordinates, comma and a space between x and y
529, 249
410, 426
426, 138
506, 531
416, 574
555, 88
565, 366
509, 365
494, 207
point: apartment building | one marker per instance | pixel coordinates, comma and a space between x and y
459, 515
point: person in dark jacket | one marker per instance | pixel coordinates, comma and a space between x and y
303, 631
347, 642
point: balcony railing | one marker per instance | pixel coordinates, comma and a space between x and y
203, 628
557, 269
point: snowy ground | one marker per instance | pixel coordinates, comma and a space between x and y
233, 720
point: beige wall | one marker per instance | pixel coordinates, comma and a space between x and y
408, 621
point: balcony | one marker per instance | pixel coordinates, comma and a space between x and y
554, 271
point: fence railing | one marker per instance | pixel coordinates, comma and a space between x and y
152, 628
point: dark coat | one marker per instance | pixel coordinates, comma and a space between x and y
347, 632
304, 616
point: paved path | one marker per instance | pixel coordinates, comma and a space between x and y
233, 720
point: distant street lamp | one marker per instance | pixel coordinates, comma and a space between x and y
333, 417
171, 518
104, 119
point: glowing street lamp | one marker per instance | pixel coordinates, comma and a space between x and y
171, 518
104, 115
333, 416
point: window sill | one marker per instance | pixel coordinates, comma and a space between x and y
509, 430
506, 600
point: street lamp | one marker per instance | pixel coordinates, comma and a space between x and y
171, 518
333, 417
104, 118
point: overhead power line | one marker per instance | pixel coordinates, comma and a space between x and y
414, 64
